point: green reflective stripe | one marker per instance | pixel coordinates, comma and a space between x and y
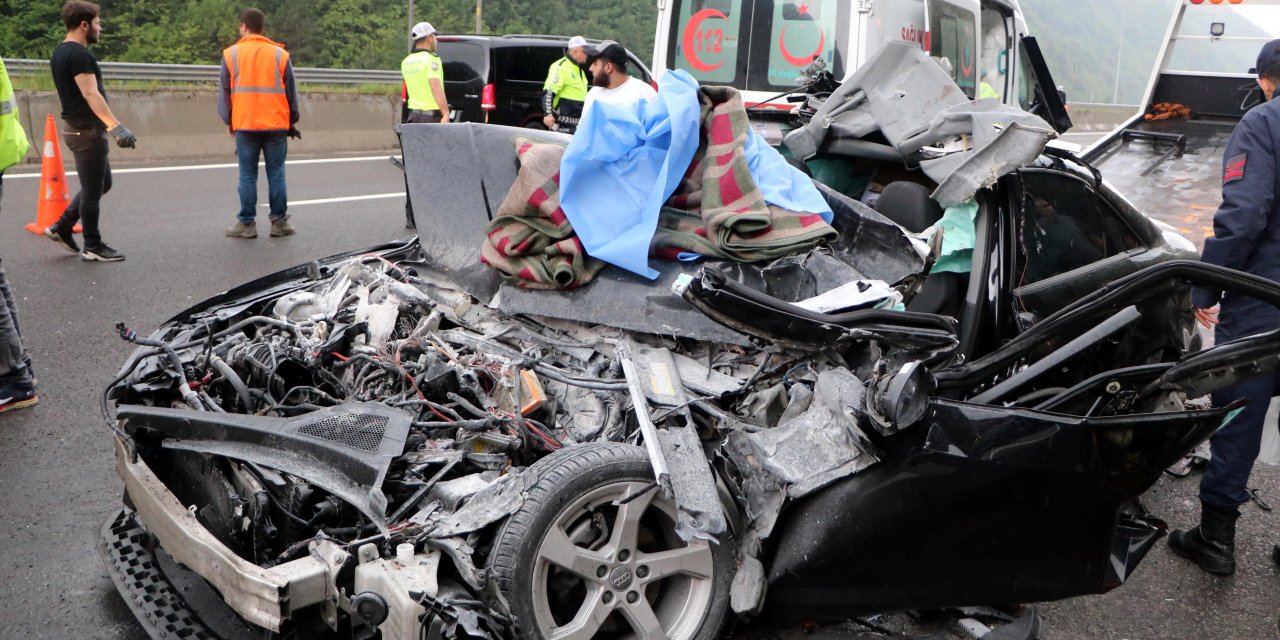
6, 107
276, 90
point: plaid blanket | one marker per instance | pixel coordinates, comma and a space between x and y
718, 211
530, 241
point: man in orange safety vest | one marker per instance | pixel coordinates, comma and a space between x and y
258, 101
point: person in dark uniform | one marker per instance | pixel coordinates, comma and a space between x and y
1246, 236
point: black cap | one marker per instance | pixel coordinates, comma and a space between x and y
609, 50
1269, 55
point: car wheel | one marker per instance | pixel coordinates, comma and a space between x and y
593, 552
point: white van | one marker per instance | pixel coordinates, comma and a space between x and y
763, 47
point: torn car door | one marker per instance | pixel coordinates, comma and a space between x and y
1002, 505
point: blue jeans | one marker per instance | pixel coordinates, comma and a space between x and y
273, 146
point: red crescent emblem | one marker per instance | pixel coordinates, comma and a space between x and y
800, 62
686, 39
966, 62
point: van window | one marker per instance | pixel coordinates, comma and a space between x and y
953, 34
463, 61
994, 74
761, 46
525, 64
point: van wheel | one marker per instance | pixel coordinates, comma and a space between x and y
593, 552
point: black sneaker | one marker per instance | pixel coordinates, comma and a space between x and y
63, 237
101, 253
17, 395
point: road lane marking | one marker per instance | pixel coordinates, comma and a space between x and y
376, 196
201, 167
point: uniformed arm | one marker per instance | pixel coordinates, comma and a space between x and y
1248, 195
88, 84
291, 92
437, 90
549, 90
224, 94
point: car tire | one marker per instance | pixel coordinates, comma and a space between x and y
566, 570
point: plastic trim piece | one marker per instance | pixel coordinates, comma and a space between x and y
154, 600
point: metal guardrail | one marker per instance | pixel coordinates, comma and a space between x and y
117, 71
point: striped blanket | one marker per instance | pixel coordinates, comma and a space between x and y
717, 212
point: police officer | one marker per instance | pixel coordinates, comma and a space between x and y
1246, 236
566, 88
424, 77
17, 380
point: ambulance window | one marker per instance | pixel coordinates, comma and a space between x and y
1026, 81
788, 36
993, 78
953, 32
705, 39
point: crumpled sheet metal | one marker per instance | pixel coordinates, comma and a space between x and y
902, 93
487, 506
811, 447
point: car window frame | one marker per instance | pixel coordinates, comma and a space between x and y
1108, 206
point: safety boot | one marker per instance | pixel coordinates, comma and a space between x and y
242, 230
281, 227
1212, 545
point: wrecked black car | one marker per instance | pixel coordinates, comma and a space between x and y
398, 443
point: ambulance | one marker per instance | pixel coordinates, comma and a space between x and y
770, 48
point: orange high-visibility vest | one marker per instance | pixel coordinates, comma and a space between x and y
258, 100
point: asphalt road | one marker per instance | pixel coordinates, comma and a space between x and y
57, 483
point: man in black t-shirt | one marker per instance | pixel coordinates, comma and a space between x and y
88, 121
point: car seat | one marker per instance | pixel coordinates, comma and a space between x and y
908, 204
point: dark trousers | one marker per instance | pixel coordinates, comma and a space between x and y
90, 148
1235, 447
13, 356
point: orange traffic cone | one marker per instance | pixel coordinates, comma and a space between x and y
53, 182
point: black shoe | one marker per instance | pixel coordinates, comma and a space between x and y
63, 237
101, 253
17, 395
1212, 545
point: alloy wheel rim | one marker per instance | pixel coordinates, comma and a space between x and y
639, 581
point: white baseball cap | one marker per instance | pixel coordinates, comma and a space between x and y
421, 30
577, 41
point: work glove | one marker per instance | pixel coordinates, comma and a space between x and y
124, 137
294, 133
